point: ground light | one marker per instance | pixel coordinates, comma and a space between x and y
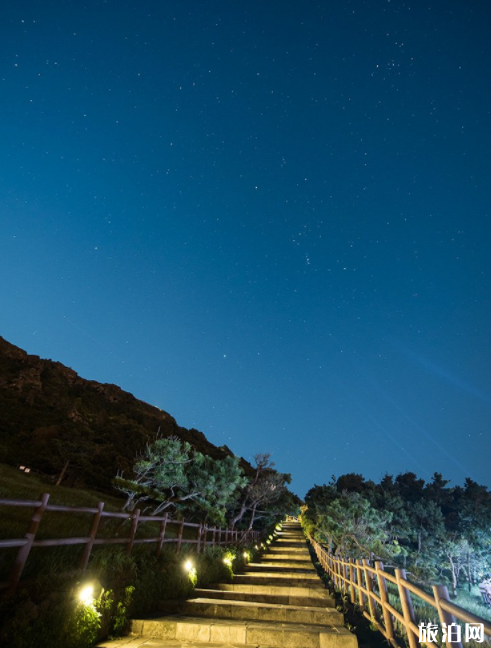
86, 595
192, 573
188, 566
247, 556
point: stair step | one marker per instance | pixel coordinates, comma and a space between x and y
293, 577
296, 549
284, 562
276, 552
307, 598
255, 611
244, 579
244, 633
286, 556
310, 590
292, 568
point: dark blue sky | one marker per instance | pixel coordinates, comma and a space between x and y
270, 219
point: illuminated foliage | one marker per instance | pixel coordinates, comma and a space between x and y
171, 474
439, 532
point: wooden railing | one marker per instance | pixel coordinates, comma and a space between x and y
203, 535
366, 585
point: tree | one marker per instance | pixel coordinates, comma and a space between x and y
170, 474
352, 525
265, 489
436, 531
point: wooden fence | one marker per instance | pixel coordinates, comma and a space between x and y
203, 535
366, 585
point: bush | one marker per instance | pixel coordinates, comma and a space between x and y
47, 612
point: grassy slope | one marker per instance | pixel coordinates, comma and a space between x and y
14, 484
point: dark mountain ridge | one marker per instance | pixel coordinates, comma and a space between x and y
52, 420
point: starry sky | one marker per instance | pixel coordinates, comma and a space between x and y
269, 218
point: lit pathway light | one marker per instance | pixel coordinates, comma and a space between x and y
86, 595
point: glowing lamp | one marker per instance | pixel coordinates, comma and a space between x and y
188, 566
86, 595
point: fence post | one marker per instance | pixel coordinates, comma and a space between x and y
352, 593
338, 572
359, 573
346, 575
84, 560
384, 597
332, 563
134, 525
441, 593
23, 553
334, 571
213, 538
369, 586
200, 533
342, 573
179, 536
160, 543
407, 608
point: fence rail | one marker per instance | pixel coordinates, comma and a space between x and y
204, 535
366, 585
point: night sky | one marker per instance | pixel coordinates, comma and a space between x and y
269, 218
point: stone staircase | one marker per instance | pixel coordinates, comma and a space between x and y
279, 602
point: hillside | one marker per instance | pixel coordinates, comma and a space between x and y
51, 418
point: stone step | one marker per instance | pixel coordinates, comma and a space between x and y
244, 633
284, 597
298, 551
288, 562
213, 608
285, 529
283, 569
300, 580
293, 577
311, 590
294, 525
280, 559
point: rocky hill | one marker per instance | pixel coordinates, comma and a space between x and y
52, 420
